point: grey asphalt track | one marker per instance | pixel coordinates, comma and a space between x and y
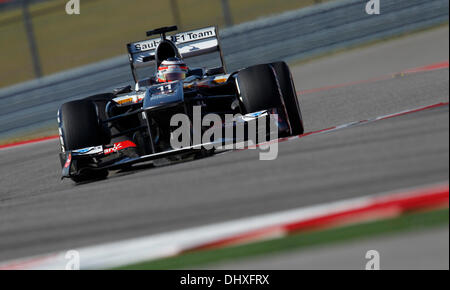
39, 213
383, 58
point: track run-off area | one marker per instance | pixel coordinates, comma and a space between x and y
364, 137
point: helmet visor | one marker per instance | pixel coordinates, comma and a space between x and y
174, 76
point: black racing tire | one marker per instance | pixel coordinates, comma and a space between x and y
258, 88
289, 96
80, 125
268, 86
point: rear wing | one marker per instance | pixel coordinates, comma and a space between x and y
191, 43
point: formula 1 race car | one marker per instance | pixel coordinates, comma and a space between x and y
134, 124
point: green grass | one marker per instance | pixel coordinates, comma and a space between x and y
104, 27
407, 222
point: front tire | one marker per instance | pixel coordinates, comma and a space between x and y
80, 127
289, 93
266, 86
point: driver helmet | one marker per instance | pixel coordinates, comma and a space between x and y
171, 69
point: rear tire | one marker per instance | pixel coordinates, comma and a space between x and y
266, 86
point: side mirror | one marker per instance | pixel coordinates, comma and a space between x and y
215, 71
122, 90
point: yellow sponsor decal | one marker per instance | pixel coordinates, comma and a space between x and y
220, 80
127, 100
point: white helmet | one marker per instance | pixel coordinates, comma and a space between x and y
171, 69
